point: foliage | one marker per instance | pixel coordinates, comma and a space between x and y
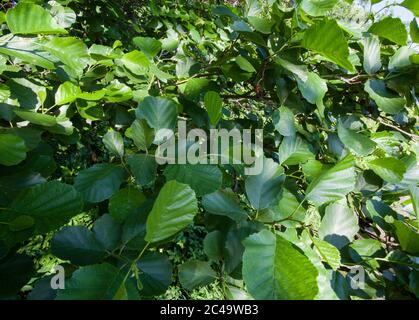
85, 86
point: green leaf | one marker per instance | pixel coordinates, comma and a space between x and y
144, 168
224, 203
99, 182
414, 31
195, 273
391, 29
285, 124
155, 274
262, 25
408, 237
244, 64
136, 62
107, 232
294, 150
318, 8
77, 244
385, 100
372, 59
50, 204
30, 18
37, 118
412, 5
363, 250
151, 47
94, 282
12, 149
273, 268
202, 178
114, 142
333, 184
160, 113
125, 203
401, 59
15, 272
72, 52
213, 104
214, 245
142, 134
66, 93
339, 225
313, 89
28, 50
174, 209
328, 253
264, 188
389, 169
288, 207
21, 223
354, 141
414, 196
327, 39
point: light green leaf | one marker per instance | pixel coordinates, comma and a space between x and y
333, 184
37, 118
72, 52
114, 142
174, 209
329, 253
313, 89
66, 93
224, 203
412, 5
99, 182
285, 124
354, 141
273, 268
408, 237
339, 225
414, 31
387, 101
264, 188
77, 244
213, 104
30, 18
262, 25
391, 29
27, 50
400, 59
12, 149
202, 178
195, 273
327, 39
136, 62
318, 8
372, 59
151, 47
389, 169
244, 64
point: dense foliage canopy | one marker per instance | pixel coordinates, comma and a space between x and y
86, 84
